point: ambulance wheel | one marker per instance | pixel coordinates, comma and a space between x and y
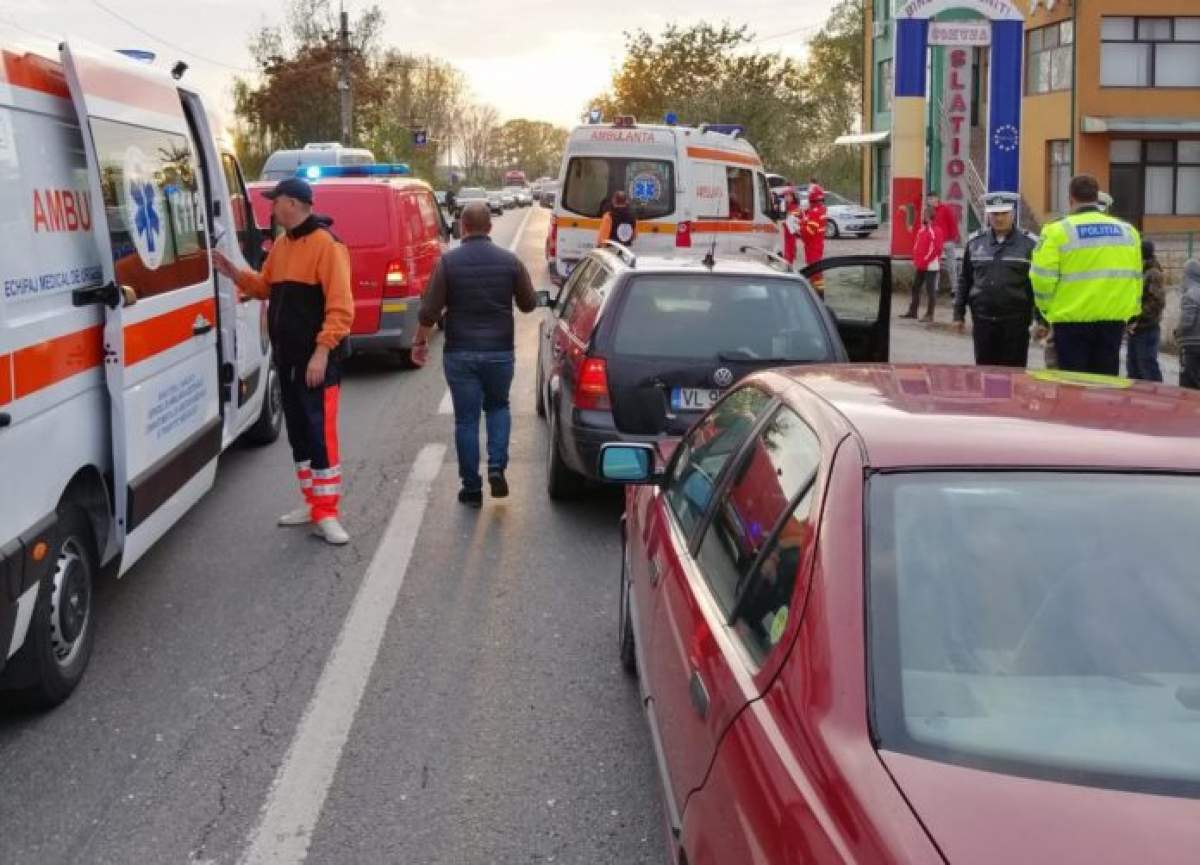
270, 420
831, 230
62, 631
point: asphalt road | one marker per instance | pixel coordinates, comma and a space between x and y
495, 726
473, 710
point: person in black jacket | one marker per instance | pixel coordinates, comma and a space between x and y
475, 286
994, 283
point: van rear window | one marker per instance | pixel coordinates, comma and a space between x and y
360, 214
591, 181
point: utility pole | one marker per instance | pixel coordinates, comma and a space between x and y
344, 92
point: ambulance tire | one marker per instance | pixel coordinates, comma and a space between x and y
62, 631
270, 420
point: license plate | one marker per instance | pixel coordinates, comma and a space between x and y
694, 398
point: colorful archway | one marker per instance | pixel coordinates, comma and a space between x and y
909, 150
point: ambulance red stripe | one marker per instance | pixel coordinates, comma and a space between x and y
156, 335
127, 87
37, 367
5, 379
34, 72
723, 156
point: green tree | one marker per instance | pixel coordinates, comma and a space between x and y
533, 146
710, 74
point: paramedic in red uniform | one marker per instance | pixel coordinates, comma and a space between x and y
791, 227
307, 278
812, 230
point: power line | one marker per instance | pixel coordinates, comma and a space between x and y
172, 45
811, 28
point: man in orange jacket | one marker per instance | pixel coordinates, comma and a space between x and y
812, 230
307, 278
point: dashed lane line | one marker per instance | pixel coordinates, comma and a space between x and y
293, 807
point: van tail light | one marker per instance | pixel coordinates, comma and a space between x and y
591, 391
683, 235
552, 240
395, 280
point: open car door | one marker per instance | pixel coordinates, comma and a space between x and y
160, 342
858, 292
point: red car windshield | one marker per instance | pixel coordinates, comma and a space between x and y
1038, 623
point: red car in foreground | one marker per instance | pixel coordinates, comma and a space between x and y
910, 614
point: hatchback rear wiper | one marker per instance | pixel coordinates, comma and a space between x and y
728, 356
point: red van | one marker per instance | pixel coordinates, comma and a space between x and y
395, 233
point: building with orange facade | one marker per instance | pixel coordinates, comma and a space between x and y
1111, 88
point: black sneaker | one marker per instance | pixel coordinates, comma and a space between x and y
498, 483
471, 498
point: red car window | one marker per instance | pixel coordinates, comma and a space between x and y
779, 465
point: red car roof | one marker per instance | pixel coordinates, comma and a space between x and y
919, 415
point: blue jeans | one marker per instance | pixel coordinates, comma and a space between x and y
479, 382
1141, 355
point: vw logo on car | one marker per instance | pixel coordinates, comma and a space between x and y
723, 377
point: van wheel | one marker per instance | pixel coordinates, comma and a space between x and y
270, 420
625, 647
561, 482
62, 632
402, 358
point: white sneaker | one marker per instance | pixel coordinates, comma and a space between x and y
301, 516
331, 531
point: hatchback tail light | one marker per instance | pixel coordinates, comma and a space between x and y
552, 240
683, 235
591, 391
395, 280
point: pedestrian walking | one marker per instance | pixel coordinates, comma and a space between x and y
812, 230
927, 254
1145, 331
946, 219
618, 223
1187, 334
307, 278
994, 283
475, 286
1087, 281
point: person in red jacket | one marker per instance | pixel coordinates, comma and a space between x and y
790, 227
927, 253
946, 219
812, 230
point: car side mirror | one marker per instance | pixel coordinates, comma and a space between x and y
628, 464
546, 300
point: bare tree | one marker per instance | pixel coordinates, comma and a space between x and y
478, 137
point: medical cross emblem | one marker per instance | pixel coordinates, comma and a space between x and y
146, 220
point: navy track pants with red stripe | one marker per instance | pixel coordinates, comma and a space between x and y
311, 418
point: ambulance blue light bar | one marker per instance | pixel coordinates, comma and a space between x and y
379, 169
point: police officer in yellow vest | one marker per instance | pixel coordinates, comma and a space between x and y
1087, 281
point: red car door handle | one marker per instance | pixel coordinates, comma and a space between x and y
699, 694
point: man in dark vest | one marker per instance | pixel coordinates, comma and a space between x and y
475, 286
618, 223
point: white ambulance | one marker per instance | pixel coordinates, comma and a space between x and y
693, 189
126, 364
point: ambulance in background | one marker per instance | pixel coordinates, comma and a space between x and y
694, 189
126, 364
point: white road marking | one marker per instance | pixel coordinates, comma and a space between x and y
446, 406
512, 247
289, 817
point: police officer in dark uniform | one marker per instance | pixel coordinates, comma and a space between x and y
994, 283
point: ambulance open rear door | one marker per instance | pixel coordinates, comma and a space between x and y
160, 339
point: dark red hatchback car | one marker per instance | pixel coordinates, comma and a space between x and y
911, 614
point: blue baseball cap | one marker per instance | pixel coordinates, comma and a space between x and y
293, 187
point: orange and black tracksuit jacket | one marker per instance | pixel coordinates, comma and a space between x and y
307, 279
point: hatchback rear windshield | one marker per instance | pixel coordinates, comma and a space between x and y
1042, 624
360, 214
591, 181
728, 317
